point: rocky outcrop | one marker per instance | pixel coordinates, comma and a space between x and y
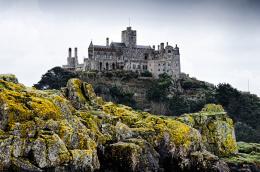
74, 130
215, 127
9, 78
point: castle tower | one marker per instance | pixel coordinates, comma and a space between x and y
69, 58
72, 62
69, 53
177, 69
129, 37
76, 52
76, 62
107, 42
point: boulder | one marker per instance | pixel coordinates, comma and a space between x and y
132, 155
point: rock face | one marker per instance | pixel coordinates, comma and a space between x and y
74, 130
215, 127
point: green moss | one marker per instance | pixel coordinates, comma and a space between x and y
248, 147
249, 153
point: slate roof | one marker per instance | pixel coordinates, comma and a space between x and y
118, 44
144, 46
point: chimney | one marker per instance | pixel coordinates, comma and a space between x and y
158, 47
76, 52
154, 47
162, 46
69, 52
166, 43
107, 42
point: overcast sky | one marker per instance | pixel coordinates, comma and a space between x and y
219, 40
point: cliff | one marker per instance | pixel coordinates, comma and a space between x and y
74, 130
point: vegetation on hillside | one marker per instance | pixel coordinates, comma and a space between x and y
243, 107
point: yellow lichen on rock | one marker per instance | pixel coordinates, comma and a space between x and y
179, 133
212, 108
216, 128
54, 128
44, 108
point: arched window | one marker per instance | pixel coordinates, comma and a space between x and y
113, 66
107, 66
146, 56
100, 66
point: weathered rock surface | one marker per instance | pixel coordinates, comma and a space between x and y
215, 127
74, 130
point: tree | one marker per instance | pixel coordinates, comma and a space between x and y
55, 78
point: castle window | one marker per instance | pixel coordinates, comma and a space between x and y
145, 56
169, 51
100, 66
158, 69
159, 64
113, 66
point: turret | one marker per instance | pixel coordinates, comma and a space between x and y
162, 47
69, 54
76, 52
129, 37
107, 42
176, 50
91, 44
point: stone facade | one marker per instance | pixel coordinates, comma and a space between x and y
127, 55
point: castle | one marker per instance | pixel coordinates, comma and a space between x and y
127, 55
